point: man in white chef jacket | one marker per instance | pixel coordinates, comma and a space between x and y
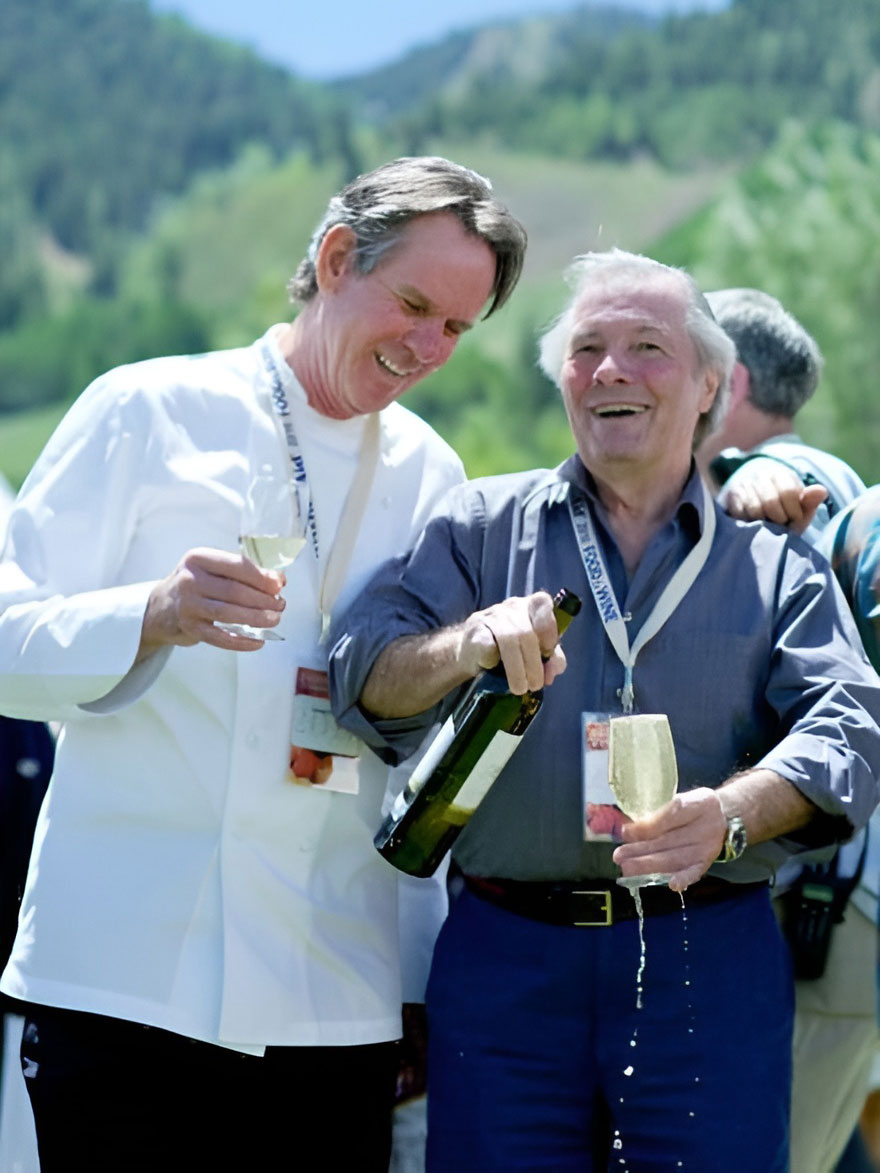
208, 941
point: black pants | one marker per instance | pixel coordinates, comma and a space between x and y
110, 1095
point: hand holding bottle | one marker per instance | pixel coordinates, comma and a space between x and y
471, 748
521, 635
414, 672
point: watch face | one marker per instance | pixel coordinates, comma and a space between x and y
735, 841
736, 838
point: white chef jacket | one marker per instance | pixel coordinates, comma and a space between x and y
178, 878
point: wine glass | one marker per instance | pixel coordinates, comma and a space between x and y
642, 773
269, 540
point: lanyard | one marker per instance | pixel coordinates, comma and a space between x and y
342, 547
603, 594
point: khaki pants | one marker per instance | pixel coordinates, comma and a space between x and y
835, 1040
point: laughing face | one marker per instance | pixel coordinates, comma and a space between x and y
372, 336
630, 379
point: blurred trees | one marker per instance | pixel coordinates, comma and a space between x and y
54, 358
803, 223
157, 187
104, 106
702, 86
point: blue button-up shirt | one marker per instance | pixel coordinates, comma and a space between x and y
758, 666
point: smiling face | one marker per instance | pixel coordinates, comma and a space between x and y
367, 338
630, 379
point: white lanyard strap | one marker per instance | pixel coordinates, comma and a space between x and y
342, 547
296, 466
603, 594
349, 523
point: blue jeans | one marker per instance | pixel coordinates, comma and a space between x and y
531, 1030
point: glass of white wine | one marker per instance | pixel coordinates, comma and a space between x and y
642, 773
269, 540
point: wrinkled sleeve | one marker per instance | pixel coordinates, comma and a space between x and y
827, 697
436, 585
69, 630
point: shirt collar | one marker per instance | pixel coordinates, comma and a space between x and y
690, 508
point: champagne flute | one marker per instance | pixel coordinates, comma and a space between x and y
269, 541
642, 773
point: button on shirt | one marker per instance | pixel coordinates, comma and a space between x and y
756, 667
180, 879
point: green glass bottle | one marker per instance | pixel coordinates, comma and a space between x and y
460, 765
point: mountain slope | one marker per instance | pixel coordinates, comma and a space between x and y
513, 52
104, 105
703, 86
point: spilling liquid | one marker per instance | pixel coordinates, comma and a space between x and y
629, 1071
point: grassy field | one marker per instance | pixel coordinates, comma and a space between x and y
569, 208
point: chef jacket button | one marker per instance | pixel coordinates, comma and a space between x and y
252, 740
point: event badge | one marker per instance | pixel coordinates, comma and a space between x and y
603, 818
321, 754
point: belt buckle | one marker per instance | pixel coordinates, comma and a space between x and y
604, 910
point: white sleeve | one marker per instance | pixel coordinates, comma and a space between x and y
69, 628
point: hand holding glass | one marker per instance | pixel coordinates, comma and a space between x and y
268, 540
642, 773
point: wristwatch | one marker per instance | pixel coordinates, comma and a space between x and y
735, 841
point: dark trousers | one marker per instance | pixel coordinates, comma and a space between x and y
114, 1095
539, 1057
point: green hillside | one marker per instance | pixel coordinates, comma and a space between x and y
105, 106
160, 218
684, 90
516, 52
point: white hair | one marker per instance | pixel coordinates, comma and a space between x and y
715, 351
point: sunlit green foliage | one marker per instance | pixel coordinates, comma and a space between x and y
53, 358
804, 224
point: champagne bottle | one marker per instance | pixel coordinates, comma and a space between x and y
462, 762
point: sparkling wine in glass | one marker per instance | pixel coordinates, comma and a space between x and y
269, 542
642, 773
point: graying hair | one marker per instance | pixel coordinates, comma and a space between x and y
714, 349
783, 360
377, 207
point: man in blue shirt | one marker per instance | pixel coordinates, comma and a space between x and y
541, 1055
777, 371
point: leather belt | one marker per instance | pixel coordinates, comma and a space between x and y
596, 903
